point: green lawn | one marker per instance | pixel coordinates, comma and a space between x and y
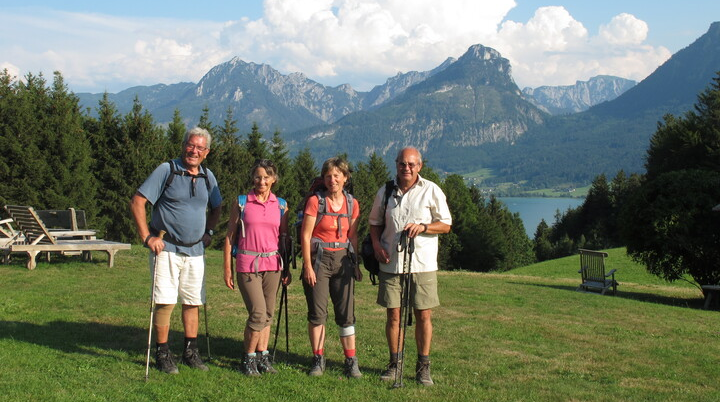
71, 330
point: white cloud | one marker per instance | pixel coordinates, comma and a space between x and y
624, 29
361, 42
552, 48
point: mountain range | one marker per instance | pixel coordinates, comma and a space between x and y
464, 115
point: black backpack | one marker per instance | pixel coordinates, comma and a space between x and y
372, 265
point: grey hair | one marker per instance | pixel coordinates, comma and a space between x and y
198, 132
397, 157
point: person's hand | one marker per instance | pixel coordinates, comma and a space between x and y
229, 279
206, 239
381, 255
358, 273
414, 229
156, 244
309, 276
286, 278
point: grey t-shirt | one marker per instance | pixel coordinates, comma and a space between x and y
182, 209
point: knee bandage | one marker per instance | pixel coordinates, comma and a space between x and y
162, 314
347, 331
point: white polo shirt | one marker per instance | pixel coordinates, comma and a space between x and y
422, 203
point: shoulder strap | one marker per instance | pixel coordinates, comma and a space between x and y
203, 169
350, 203
389, 187
242, 200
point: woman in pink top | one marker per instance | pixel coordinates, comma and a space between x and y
257, 228
329, 238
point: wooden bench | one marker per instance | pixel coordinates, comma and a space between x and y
709, 291
38, 238
592, 271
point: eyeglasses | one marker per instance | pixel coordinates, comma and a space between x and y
190, 147
405, 164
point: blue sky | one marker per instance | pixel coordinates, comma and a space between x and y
111, 46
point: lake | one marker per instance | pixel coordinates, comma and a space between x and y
534, 209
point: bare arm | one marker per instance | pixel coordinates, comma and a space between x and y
380, 253
308, 225
438, 227
137, 208
230, 240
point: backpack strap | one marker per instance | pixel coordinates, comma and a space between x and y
174, 171
319, 245
242, 200
323, 209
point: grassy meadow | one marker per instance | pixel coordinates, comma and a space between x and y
72, 330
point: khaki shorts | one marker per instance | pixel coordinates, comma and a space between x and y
423, 290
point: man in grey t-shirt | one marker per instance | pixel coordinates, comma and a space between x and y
186, 206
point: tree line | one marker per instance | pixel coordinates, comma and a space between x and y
58, 156
667, 218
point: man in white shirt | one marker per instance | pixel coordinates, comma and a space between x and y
419, 208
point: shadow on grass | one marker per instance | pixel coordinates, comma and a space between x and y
695, 303
99, 339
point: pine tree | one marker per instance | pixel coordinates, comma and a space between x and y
175, 134
255, 144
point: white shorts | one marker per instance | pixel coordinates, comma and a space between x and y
178, 275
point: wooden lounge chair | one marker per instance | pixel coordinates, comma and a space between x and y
592, 271
38, 238
8, 236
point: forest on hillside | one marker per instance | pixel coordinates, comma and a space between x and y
57, 156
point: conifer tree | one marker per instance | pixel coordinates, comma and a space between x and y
175, 134
255, 144
107, 140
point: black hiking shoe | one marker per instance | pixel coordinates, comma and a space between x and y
351, 369
250, 366
422, 373
191, 358
390, 372
318, 366
264, 365
165, 362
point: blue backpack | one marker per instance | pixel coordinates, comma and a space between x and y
242, 200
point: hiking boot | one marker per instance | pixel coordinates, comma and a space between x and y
351, 368
318, 366
250, 366
390, 372
165, 362
264, 366
191, 358
422, 373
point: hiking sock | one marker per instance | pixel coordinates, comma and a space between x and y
190, 343
349, 352
394, 357
424, 358
162, 346
319, 352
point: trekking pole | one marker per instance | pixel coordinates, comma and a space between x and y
152, 311
406, 247
207, 332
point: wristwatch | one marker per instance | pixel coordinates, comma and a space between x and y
210, 232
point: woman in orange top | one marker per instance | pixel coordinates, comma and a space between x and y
329, 238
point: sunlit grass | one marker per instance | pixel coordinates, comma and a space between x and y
71, 330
